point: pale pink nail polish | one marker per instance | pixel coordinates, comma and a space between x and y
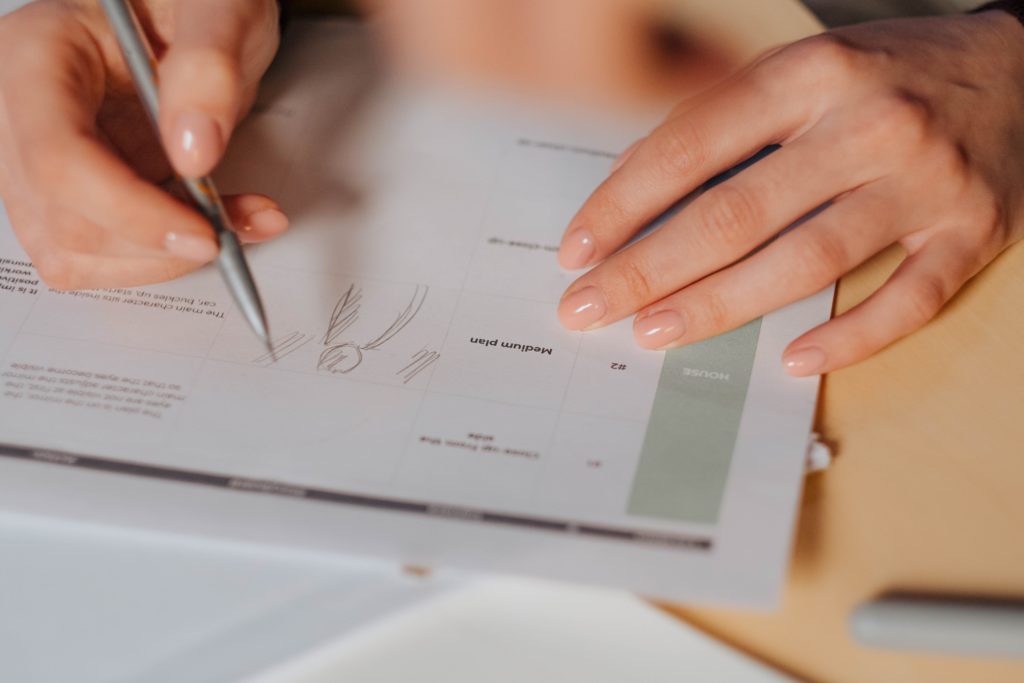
582, 309
577, 249
806, 361
266, 223
191, 247
658, 329
197, 143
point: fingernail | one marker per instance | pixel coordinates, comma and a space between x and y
582, 309
658, 329
191, 247
197, 142
624, 157
265, 223
577, 249
806, 361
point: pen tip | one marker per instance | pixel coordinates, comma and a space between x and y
236, 274
270, 349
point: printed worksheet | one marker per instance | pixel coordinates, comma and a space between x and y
422, 402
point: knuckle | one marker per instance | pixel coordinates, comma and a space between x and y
905, 115
612, 208
55, 269
730, 218
925, 298
952, 163
991, 223
636, 281
714, 311
778, 64
831, 51
955, 159
985, 232
894, 125
222, 68
681, 150
829, 57
823, 257
208, 72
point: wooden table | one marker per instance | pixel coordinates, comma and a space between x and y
927, 489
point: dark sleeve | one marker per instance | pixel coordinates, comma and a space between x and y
1014, 7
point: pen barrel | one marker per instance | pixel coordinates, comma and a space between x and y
204, 193
137, 53
138, 56
952, 626
235, 271
141, 62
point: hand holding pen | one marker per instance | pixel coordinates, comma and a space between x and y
78, 159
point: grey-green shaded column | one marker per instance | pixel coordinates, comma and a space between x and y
684, 463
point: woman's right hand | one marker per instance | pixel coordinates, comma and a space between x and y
79, 161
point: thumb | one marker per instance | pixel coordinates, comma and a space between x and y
219, 50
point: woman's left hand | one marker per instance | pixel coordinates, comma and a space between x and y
912, 131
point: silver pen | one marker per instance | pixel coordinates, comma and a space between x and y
952, 625
138, 55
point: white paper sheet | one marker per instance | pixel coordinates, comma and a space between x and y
425, 405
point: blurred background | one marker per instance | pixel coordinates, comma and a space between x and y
602, 52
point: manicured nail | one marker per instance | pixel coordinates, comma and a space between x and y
577, 249
624, 157
191, 247
265, 223
658, 329
581, 309
806, 361
198, 143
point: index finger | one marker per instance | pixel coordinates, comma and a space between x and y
52, 127
676, 159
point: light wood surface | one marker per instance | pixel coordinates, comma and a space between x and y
926, 493
927, 489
